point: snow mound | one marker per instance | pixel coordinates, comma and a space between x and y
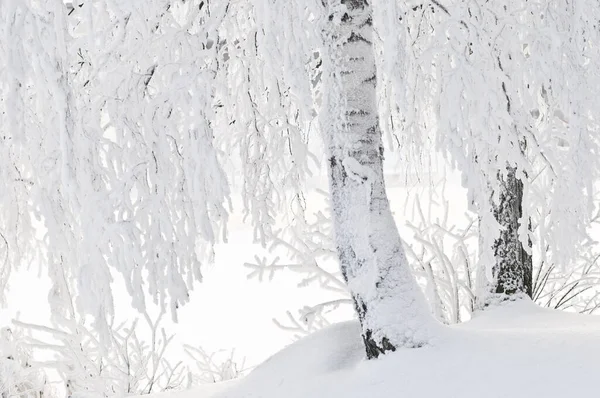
516, 350
335, 348
204, 391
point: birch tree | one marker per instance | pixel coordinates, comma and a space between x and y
390, 306
119, 121
485, 72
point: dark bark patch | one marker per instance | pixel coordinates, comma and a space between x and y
359, 112
337, 171
368, 22
371, 80
355, 4
355, 37
374, 349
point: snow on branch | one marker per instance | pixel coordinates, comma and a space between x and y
129, 365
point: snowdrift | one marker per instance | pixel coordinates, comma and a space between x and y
517, 350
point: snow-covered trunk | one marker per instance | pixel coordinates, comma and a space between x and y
512, 270
390, 306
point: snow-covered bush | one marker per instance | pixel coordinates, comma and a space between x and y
134, 361
19, 375
214, 367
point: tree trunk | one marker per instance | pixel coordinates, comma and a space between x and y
390, 306
512, 271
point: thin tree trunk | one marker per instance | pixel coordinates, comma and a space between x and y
513, 268
390, 305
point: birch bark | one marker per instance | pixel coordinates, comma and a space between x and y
513, 268
390, 306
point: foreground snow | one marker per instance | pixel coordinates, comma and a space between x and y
517, 350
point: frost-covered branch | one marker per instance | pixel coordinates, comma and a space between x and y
215, 367
128, 365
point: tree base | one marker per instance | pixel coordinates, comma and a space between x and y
376, 349
496, 299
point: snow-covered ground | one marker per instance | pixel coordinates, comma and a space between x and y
517, 350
